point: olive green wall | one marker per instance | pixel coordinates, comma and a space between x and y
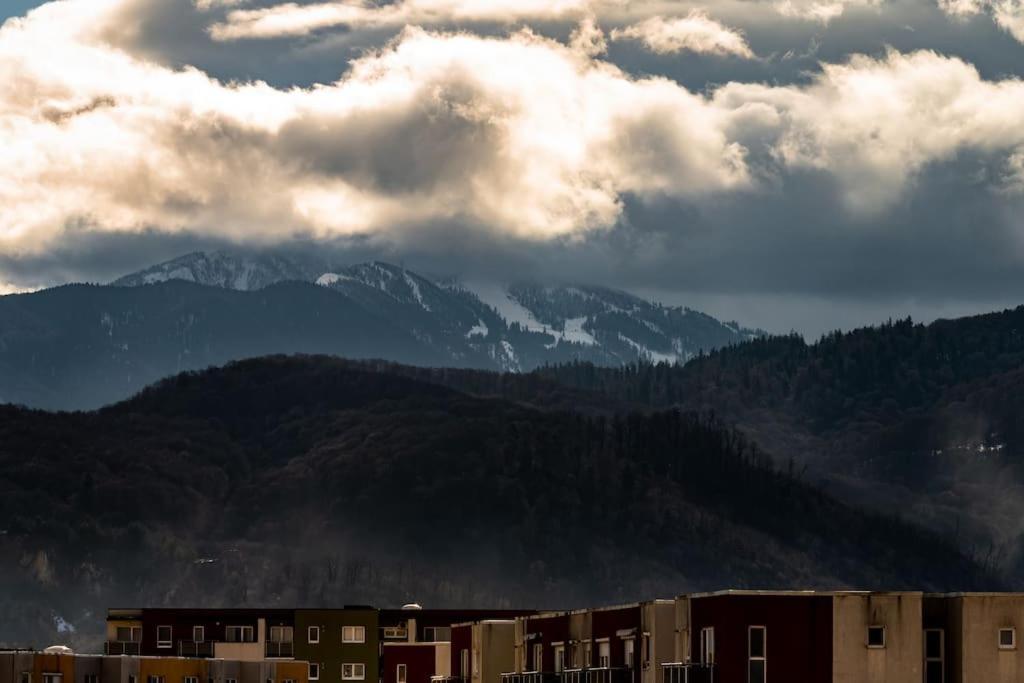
331, 653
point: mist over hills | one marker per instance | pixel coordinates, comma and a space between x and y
312, 480
83, 346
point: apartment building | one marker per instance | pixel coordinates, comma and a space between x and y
341, 645
812, 637
236, 634
973, 638
48, 667
481, 651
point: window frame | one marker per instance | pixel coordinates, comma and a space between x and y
707, 646
401, 673
931, 659
629, 653
190, 679
242, 631
169, 642
762, 658
464, 663
310, 637
1013, 638
354, 676
356, 628
311, 669
885, 636
537, 651
201, 630
558, 649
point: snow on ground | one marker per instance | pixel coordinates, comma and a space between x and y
415, 287
653, 356
498, 298
327, 279
574, 332
480, 329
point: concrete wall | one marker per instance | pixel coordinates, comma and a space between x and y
494, 645
981, 660
12, 664
681, 614
659, 628
902, 658
244, 652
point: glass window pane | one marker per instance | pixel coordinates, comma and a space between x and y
756, 671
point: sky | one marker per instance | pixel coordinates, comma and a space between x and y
797, 165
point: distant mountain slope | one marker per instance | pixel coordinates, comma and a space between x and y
515, 327
82, 346
286, 481
220, 269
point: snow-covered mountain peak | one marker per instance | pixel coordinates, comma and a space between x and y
220, 269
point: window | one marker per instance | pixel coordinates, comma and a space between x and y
1007, 639
395, 633
230, 680
239, 634
288, 680
934, 655
604, 655
190, 679
538, 657
132, 678
353, 634
757, 660
91, 678
464, 663
155, 679
587, 653
129, 634
26, 677
400, 673
628, 648
476, 664
353, 672
314, 671
559, 658
876, 636
163, 636
437, 634
281, 634
53, 678
198, 634
707, 645
313, 634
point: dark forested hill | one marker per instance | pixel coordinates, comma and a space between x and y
317, 481
924, 419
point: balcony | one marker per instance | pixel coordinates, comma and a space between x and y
189, 649
609, 675
678, 672
279, 650
118, 647
530, 677
447, 679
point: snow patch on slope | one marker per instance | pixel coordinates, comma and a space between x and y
653, 356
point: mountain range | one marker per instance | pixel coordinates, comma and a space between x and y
82, 346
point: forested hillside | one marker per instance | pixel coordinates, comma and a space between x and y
318, 481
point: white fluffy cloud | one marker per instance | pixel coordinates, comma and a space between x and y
821, 10
1008, 14
696, 32
520, 137
291, 19
525, 136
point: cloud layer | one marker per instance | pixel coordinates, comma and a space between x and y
519, 141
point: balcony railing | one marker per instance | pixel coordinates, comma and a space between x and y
280, 650
530, 677
447, 679
190, 649
678, 672
609, 675
118, 647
